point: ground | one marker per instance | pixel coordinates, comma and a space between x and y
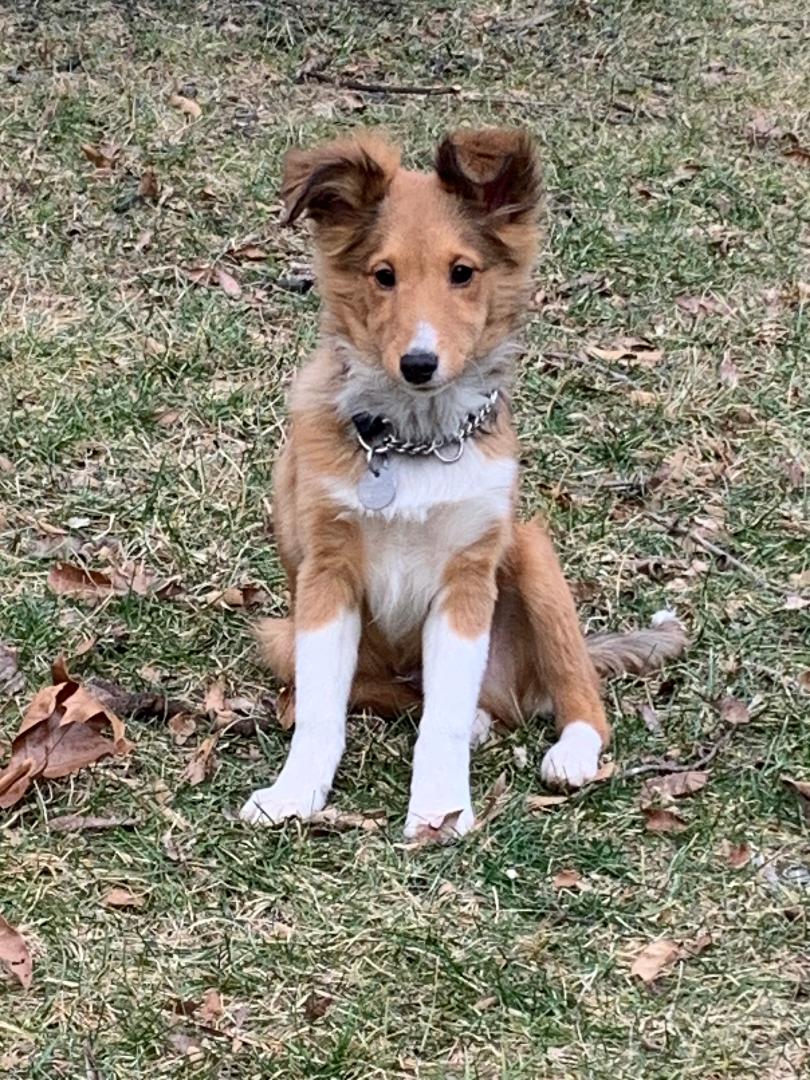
141, 412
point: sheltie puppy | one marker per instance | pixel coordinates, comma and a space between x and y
412, 581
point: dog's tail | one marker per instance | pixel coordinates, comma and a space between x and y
638, 651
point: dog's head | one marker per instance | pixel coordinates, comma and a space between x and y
423, 273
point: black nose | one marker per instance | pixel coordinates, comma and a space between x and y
418, 367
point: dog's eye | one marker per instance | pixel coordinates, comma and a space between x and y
461, 274
385, 277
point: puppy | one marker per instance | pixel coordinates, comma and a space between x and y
412, 581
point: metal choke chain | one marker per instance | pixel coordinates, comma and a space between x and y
392, 444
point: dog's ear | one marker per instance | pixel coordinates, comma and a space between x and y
338, 182
493, 169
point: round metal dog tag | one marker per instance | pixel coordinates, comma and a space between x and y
377, 486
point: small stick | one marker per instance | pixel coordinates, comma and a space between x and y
665, 765
721, 553
376, 88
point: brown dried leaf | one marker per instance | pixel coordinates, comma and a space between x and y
14, 954
802, 790
119, 897
211, 1007
12, 679
439, 834
66, 579
64, 729
202, 761
737, 855
567, 879
663, 821
182, 726
733, 711
144, 240
317, 1005
249, 253
798, 155
103, 156
215, 703
674, 785
654, 959
803, 679
540, 804
68, 823
149, 185
651, 720
228, 283
495, 801
186, 105
6, 464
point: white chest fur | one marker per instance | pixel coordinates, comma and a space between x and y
438, 510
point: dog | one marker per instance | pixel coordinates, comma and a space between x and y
412, 580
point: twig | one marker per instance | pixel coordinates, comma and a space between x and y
721, 553
667, 765
423, 91
377, 88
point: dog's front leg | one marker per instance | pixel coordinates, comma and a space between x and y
327, 636
455, 646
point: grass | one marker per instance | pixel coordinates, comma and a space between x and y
461, 962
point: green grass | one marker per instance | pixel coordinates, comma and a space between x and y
459, 962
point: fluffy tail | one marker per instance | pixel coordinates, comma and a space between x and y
638, 651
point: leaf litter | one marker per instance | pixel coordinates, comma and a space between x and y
64, 729
15, 955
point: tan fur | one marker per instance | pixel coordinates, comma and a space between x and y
477, 207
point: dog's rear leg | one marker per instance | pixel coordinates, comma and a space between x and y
564, 668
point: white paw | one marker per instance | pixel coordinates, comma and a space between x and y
271, 805
574, 759
438, 826
480, 729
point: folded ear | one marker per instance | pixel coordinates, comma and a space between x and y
339, 181
494, 169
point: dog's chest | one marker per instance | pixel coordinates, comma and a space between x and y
438, 510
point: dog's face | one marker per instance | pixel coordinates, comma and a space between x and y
425, 274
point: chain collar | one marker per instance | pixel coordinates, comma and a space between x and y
381, 430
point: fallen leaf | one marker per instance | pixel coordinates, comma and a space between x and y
215, 703
149, 185
68, 823
654, 959
228, 283
182, 726
567, 879
333, 820
211, 1007
663, 821
802, 789
762, 129
6, 464
604, 772
317, 1005
803, 679
67, 579
63, 729
119, 897
212, 277
643, 398
485, 1003
542, 803
249, 253
166, 417
798, 155
202, 761
14, 954
737, 855
12, 679
674, 785
794, 602
627, 348
733, 711
494, 802
103, 156
729, 372
445, 831
695, 946
697, 306
186, 105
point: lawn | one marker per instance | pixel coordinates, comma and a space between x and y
152, 312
